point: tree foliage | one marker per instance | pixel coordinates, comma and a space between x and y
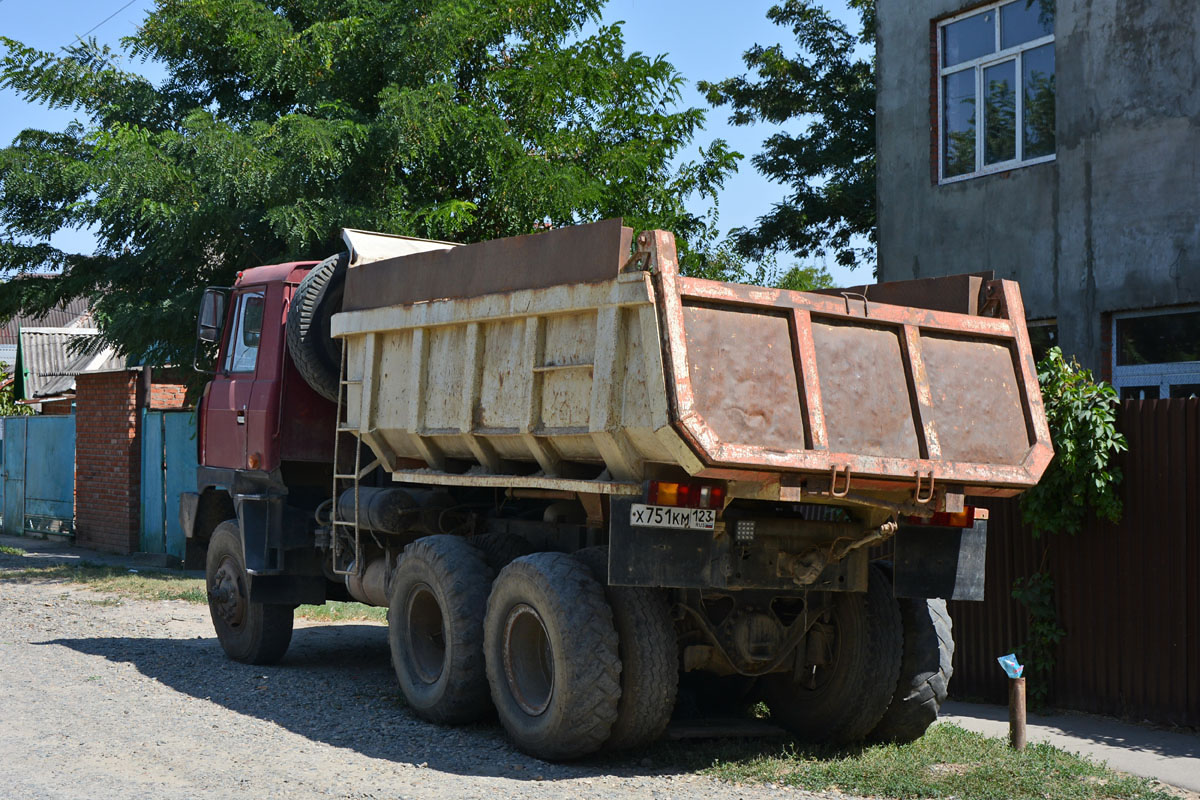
826, 92
1083, 476
280, 122
9, 407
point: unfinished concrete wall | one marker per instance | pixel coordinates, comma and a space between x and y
1112, 224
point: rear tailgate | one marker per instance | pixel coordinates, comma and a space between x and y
869, 394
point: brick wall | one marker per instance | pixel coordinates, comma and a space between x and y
107, 461
167, 396
108, 415
56, 407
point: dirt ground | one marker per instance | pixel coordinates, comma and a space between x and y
103, 697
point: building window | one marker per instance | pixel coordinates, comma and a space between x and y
1043, 334
995, 89
1156, 355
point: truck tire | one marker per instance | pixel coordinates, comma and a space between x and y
435, 628
316, 354
649, 657
925, 671
253, 633
551, 652
499, 549
852, 692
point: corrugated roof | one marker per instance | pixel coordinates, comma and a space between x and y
8, 358
74, 314
51, 358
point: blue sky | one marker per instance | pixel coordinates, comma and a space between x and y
704, 39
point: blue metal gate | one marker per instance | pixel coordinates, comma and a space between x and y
168, 468
39, 476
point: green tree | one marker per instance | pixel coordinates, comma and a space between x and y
827, 92
280, 122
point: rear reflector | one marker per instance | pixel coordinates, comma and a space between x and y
944, 519
686, 495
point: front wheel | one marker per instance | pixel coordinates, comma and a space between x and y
551, 653
253, 633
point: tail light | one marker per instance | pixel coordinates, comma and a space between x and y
944, 519
686, 495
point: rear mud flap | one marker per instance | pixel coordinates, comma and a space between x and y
941, 562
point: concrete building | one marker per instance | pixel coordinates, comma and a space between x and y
1057, 144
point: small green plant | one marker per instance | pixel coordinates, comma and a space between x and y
1036, 593
1083, 477
11, 551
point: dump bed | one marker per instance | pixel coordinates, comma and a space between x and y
560, 361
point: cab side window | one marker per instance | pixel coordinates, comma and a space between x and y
242, 353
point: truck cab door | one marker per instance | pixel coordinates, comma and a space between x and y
229, 394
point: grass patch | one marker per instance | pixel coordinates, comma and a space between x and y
142, 584
337, 611
158, 585
11, 551
947, 762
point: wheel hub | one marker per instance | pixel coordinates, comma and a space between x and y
528, 659
227, 593
425, 633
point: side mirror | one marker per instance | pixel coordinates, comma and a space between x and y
208, 326
212, 315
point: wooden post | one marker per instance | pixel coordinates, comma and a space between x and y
1016, 713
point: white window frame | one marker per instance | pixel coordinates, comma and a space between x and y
979, 65
1168, 374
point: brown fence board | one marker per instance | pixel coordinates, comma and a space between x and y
1127, 594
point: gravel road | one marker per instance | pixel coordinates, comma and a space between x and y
103, 697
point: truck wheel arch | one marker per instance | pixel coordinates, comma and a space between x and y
212, 506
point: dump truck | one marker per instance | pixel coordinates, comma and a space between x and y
585, 484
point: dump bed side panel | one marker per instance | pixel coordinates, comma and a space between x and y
867, 392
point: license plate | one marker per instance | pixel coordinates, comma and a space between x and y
700, 519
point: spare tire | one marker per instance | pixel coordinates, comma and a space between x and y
314, 352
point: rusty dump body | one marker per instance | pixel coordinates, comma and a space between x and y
565, 361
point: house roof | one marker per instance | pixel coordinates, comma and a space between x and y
74, 314
50, 358
8, 357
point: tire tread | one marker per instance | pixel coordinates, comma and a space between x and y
584, 706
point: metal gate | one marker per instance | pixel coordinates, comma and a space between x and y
168, 468
39, 476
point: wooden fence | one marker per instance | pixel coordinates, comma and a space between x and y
1128, 595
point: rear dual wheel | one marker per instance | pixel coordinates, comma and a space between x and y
648, 652
552, 656
925, 671
843, 698
435, 628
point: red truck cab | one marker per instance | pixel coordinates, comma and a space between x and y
257, 411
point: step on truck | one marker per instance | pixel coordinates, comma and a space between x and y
587, 486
